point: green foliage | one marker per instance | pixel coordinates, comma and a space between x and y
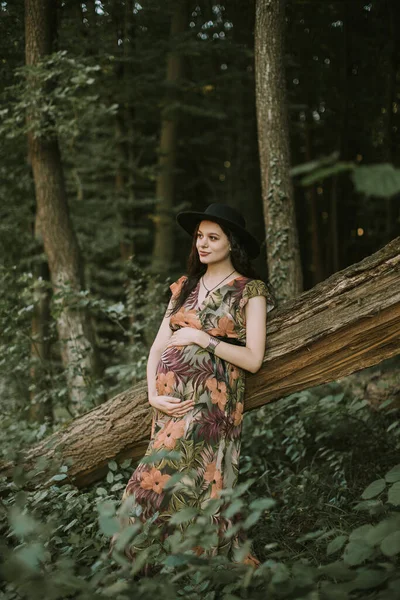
304, 496
56, 96
381, 180
133, 320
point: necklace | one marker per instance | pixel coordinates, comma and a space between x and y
208, 291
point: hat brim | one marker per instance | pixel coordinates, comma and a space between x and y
189, 219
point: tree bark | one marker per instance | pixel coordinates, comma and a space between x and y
282, 244
346, 323
40, 342
165, 186
59, 240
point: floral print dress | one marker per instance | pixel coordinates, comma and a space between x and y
207, 438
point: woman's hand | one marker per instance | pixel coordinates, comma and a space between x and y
173, 407
188, 335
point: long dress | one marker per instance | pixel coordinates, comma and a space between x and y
208, 437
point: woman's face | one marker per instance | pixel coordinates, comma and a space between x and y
211, 242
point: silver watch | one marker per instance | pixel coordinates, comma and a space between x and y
213, 342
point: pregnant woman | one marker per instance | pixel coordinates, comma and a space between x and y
213, 331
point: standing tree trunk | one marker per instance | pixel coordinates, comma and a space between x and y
273, 139
165, 186
59, 240
40, 344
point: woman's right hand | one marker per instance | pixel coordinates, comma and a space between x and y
173, 407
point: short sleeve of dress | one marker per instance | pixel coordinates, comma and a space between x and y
256, 287
176, 286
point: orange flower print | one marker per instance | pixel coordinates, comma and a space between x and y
251, 560
214, 476
177, 285
168, 435
153, 480
225, 327
165, 383
218, 392
216, 486
186, 318
233, 373
237, 414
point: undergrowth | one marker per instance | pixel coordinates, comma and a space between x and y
319, 495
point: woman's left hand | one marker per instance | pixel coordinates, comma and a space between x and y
186, 336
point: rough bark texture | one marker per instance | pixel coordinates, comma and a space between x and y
273, 139
344, 324
165, 187
60, 243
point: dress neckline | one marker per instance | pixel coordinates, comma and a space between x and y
200, 306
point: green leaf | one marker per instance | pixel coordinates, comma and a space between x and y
336, 544
176, 560
71, 524
22, 525
173, 480
233, 508
116, 588
360, 533
262, 504
281, 574
58, 477
368, 578
338, 570
393, 426
110, 477
371, 506
31, 555
182, 516
390, 546
380, 180
394, 494
106, 508
374, 488
314, 164
356, 553
126, 535
393, 475
323, 173
108, 525
251, 519
382, 530
311, 535
112, 465
117, 486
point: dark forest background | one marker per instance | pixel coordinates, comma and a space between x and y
141, 136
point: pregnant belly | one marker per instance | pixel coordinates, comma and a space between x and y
180, 365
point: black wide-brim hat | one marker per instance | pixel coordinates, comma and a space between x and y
223, 215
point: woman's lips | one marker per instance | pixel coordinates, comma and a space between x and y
204, 253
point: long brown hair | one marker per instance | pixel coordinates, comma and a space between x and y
195, 268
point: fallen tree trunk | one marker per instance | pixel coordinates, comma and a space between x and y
346, 323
